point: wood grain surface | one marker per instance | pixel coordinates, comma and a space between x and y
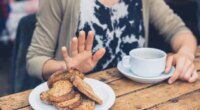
131, 95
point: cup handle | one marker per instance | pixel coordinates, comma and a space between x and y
125, 61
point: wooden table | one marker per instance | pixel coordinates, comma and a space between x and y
131, 95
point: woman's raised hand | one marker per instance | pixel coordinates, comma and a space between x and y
81, 56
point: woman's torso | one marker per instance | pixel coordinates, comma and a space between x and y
118, 28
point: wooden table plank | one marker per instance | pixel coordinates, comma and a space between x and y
190, 101
154, 95
14, 101
125, 86
106, 76
20, 100
180, 103
130, 95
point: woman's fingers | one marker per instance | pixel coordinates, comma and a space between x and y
66, 57
89, 41
179, 67
184, 70
98, 55
81, 41
169, 63
81, 53
194, 77
188, 64
74, 46
187, 73
174, 77
81, 58
64, 52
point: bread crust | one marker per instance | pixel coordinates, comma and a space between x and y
62, 90
61, 75
86, 89
87, 104
54, 78
44, 96
72, 103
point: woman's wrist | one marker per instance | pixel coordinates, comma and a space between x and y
190, 53
52, 66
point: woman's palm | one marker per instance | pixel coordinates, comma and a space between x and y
81, 53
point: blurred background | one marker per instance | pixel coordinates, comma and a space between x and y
11, 12
17, 23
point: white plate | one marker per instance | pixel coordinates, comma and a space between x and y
152, 80
104, 92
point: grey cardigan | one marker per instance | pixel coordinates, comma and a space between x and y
57, 21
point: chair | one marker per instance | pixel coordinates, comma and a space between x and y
20, 79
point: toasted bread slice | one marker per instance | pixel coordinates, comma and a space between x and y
74, 71
86, 89
87, 104
44, 96
63, 108
60, 75
70, 104
55, 77
66, 108
62, 90
71, 107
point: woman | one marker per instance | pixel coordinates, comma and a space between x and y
118, 26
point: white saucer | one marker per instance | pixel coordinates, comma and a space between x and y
152, 80
102, 90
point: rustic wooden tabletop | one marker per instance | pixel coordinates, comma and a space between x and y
131, 95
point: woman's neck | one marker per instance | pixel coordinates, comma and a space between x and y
109, 3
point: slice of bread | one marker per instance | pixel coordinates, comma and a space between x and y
60, 75
62, 90
87, 104
63, 108
54, 78
71, 107
70, 104
44, 96
86, 89
74, 71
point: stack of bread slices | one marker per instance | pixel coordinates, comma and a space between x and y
68, 91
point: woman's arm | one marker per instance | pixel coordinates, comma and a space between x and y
42, 48
52, 66
185, 47
165, 20
179, 36
185, 43
81, 56
41, 52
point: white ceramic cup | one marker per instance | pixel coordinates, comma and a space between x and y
145, 62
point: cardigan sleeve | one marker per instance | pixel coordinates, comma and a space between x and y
165, 20
45, 36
